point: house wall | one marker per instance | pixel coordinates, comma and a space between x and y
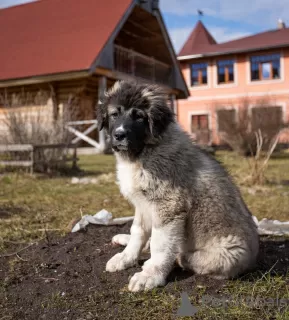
74, 100
206, 99
28, 115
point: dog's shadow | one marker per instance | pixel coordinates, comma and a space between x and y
177, 274
273, 260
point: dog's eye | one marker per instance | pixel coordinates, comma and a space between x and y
114, 115
139, 116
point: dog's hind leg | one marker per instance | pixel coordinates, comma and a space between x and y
220, 262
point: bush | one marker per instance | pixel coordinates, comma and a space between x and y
36, 125
238, 129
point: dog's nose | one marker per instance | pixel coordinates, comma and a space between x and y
119, 135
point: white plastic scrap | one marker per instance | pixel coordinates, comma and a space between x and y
103, 217
273, 227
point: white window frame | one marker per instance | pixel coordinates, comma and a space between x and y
270, 81
215, 74
202, 86
201, 113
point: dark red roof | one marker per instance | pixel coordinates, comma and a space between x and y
199, 39
268, 39
55, 36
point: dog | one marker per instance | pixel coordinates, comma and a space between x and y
185, 201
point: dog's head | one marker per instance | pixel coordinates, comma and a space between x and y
135, 115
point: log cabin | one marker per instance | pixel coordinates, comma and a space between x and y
80, 48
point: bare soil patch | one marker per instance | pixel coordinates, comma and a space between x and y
64, 278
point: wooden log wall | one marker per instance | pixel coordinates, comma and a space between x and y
72, 99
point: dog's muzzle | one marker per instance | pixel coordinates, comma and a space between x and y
119, 141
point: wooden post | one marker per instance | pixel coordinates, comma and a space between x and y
54, 103
74, 161
174, 105
102, 86
32, 160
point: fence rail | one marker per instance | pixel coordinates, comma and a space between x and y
70, 126
14, 149
17, 148
139, 65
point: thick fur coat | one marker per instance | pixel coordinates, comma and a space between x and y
184, 200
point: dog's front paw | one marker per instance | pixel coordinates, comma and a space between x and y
119, 262
143, 281
120, 240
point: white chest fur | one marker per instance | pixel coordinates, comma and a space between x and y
133, 179
126, 175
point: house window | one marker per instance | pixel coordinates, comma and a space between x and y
199, 122
225, 71
267, 118
265, 67
200, 129
199, 74
226, 120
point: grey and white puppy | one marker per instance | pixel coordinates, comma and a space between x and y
183, 198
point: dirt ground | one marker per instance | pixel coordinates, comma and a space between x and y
64, 278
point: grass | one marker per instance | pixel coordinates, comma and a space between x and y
257, 298
236, 302
31, 204
268, 201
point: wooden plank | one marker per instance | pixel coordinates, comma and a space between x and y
102, 87
74, 123
17, 163
54, 146
123, 76
30, 148
16, 147
86, 132
45, 78
137, 54
56, 161
55, 102
83, 137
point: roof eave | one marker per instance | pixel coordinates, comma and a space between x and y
44, 78
183, 88
192, 56
216, 53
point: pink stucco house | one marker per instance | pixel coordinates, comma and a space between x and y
220, 76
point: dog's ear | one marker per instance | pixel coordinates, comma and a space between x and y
159, 116
102, 117
102, 114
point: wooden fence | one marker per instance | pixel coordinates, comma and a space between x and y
31, 150
16, 149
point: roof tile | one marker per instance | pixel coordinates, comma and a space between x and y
198, 44
55, 36
199, 39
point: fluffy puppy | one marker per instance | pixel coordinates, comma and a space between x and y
183, 198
